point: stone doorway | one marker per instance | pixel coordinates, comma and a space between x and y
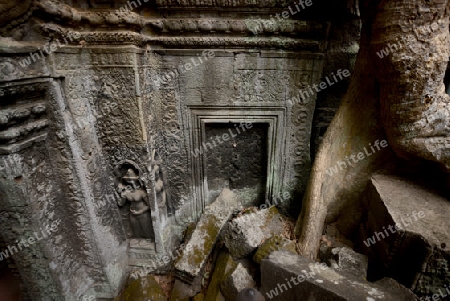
265, 126
240, 162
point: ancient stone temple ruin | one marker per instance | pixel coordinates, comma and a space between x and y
224, 150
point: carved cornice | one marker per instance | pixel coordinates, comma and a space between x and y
240, 26
222, 3
132, 38
13, 13
279, 43
118, 27
133, 20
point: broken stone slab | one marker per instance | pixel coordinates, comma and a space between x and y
236, 280
346, 260
223, 265
286, 277
183, 292
203, 239
246, 233
351, 262
407, 234
143, 289
274, 243
400, 290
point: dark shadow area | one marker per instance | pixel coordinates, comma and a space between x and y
9, 284
240, 162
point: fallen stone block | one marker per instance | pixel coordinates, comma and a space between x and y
223, 266
346, 260
197, 251
183, 292
246, 233
274, 243
400, 290
287, 277
235, 281
407, 234
351, 262
143, 289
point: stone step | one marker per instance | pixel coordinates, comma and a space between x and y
286, 277
408, 227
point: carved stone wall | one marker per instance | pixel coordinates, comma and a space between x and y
265, 81
41, 188
112, 92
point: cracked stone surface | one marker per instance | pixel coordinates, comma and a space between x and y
316, 282
415, 254
205, 235
236, 280
246, 233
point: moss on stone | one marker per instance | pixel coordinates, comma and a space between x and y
143, 289
178, 295
224, 264
211, 230
274, 243
199, 297
189, 230
206, 234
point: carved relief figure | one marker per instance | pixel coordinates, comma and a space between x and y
159, 176
132, 189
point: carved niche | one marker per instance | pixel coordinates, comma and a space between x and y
133, 193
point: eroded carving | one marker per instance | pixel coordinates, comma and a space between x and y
158, 176
132, 189
261, 86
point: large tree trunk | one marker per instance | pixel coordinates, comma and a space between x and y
402, 91
414, 106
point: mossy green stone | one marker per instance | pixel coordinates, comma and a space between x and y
143, 289
224, 264
199, 297
274, 243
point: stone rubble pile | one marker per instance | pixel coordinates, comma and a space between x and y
234, 249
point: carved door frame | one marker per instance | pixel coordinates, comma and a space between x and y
274, 116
